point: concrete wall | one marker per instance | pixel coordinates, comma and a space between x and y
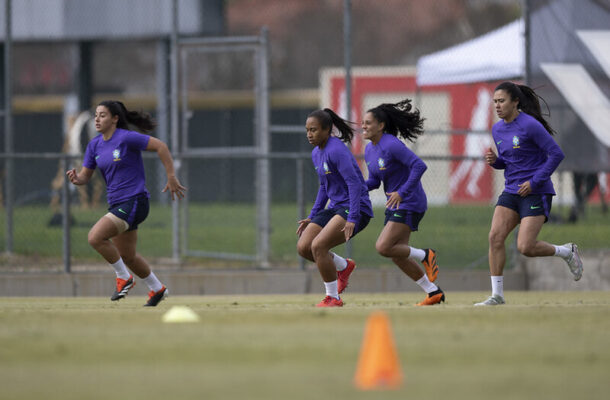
552, 273
548, 273
241, 282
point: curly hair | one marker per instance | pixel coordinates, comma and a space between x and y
399, 119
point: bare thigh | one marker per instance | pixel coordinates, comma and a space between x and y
330, 236
126, 243
392, 240
304, 243
503, 222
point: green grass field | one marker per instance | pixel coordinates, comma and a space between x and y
458, 233
541, 345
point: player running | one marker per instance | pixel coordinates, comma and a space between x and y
391, 162
528, 155
349, 210
117, 152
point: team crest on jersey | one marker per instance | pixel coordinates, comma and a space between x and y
381, 163
326, 169
116, 153
515, 142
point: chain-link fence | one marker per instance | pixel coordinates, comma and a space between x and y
61, 70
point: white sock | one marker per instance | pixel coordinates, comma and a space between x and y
331, 289
497, 286
425, 284
121, 269
417, 254
562, 251
340, 262
152, 282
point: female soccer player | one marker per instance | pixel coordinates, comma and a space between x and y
391, 162
117, 152
528, 155
349, 210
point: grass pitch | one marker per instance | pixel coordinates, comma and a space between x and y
542, 345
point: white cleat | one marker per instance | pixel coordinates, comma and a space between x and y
574, 261
494, 300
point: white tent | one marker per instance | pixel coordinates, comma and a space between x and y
499, 54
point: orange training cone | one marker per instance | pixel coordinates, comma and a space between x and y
378, 365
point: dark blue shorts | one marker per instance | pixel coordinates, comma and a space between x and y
322, 218
410, 218
133, 210
528, 206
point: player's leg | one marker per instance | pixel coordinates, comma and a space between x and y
527, 240
100, 234
330, 236
304, 249
304, 243
394, 241
345, 266
390, 243
535, 210
503, 222
126, 244
99, 238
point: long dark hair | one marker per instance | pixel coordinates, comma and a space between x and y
529, 102
399, 119
328, 118
141, 120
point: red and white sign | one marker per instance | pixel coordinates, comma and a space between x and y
470, 114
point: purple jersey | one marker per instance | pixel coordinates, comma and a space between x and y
341, 181
120, 162
400, 170
526, 152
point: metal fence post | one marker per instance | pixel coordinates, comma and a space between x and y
174, 128
301, 198
65, 220
263, 179
163, 100
8, 126
347, 60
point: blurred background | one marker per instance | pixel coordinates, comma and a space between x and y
231, 83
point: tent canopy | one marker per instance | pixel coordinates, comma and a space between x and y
497, 55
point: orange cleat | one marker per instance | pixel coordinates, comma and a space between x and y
330, 302
429, 262
122, 288
433, 298
343, 276
155, 298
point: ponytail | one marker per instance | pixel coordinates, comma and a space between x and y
328, 118
399, 119
529, 102
141, 120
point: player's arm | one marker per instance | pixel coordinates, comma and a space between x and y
416, 169
320, 203
373, 182
173, 184
554, 155
321, 200
81, 177
350, 175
